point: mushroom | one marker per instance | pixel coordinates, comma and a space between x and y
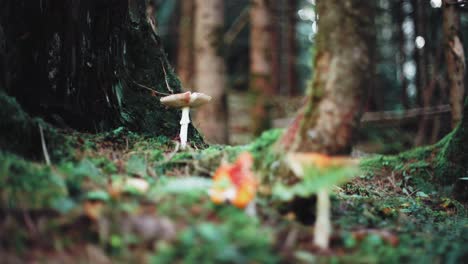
185, 101
320, 165
235, 183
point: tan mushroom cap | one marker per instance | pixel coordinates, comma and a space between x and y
321, 161
186, 99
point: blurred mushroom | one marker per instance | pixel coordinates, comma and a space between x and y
323, 165
235, 183
185, 101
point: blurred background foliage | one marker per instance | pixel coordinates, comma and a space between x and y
409, 61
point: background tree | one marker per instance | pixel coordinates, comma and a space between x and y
260, 64
343, 69
185, 54
420, 54
291, 53
210, 69
455, 59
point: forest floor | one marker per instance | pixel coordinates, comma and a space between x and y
120, 197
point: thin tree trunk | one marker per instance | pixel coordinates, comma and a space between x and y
455, 59
185, 54
210, 69
260, 64
343, 71
420, 20
275, 47
402, 54
291, 47
428, 93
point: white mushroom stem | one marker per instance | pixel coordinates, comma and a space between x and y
184, 122
322, 223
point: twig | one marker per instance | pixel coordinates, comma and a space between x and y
152, 90
29, 223
44, 148
171, 155
165, 77
237, 26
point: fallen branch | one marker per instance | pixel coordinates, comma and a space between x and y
237, 26
386, 116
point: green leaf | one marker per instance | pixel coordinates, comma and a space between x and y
98, 195
184, 185
86, 168
136, 166
313, 181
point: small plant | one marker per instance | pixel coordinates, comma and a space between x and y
318, 174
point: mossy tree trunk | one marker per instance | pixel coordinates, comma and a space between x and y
261, 84
89, 65
342, 73
452, 160
455, 58
210, 69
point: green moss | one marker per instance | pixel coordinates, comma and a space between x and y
426, 230
26, 185
233, 238
445, 162
451, 162
20, 133
395, 162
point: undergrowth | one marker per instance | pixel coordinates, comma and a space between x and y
393, 212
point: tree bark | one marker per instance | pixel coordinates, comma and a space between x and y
210, 69
455, 59
91, 65
185, 58
260, 64
291, 47
275, 47
451, 164
420, 20
401, 54
343, 70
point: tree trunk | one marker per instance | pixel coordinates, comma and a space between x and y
401, 54
452, 160
185, 54
420, 20
90, 65
291, 47
343, 70
455, 59
210, 69
275, 47
260, 64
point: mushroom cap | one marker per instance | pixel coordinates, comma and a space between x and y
235, 183
300, 160
186, 99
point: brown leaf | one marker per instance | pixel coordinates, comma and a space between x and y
93, 209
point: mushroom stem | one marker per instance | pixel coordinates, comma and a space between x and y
184, 121
322, 227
